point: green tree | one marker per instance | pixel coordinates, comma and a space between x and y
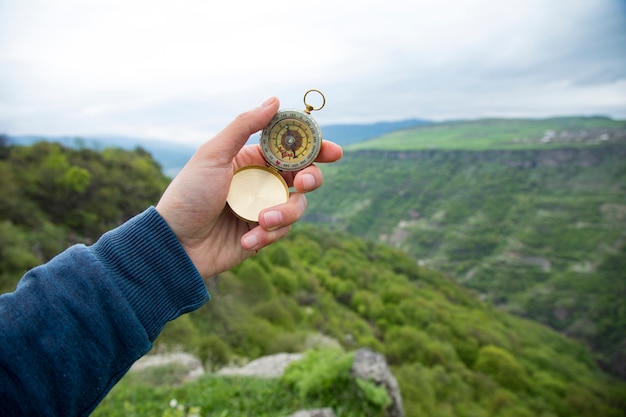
502, 367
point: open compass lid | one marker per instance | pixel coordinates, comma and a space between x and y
255, 188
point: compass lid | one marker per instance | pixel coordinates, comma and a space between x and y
255, 188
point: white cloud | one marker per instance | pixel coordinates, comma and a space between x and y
182, 70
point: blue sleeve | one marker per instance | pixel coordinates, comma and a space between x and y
74, 326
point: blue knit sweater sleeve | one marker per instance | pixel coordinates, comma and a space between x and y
74, 326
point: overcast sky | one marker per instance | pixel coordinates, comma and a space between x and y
180, 70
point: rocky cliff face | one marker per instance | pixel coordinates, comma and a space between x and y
584, 157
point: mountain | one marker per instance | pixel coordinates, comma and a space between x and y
535, 226
346, 134
172, 156
451, 352
491, 134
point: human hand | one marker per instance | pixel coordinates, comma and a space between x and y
194, 204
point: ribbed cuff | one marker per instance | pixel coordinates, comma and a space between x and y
152, 269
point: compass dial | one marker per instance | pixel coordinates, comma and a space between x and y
291, 141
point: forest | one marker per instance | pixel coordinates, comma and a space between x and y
326, 292
538, 231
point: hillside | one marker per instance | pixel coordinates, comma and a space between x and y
172, 156
347, 134
537, 231
508, 134
451, 353
53, 196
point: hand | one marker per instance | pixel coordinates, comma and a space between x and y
194, 204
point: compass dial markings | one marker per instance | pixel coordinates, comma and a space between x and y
291, 140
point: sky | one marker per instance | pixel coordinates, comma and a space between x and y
181, 70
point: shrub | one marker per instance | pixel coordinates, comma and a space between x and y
324, 375
214, 352
405, 344
273, 311
502, 367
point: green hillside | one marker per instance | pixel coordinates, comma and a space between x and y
53, 196
539, 232
453, 355
490, 134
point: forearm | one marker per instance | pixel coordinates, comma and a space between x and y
74, 326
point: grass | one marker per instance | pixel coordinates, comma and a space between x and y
321, 379
208, 396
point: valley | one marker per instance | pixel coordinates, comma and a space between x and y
489, 273
529, 228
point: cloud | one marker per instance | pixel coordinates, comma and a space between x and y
184, 69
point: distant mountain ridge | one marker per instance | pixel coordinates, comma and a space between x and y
410, 134
346, 134
172, 156
492, 134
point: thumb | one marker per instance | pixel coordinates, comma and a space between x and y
224, 146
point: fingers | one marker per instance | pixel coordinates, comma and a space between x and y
310, 178
274, 223
226, 144
330, 152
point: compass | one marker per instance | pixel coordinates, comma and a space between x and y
290, 142
292, 139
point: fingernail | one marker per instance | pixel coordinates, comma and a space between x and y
268, 102
308, 181
272, 218
250, 241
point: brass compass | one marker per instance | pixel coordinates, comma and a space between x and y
290, 142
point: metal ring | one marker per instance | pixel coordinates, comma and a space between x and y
311, 108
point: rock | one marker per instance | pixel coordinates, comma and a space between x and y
319, 412
372, 366
271, 366
192, 364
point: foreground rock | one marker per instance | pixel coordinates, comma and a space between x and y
189, 364
272, 366
319, 412
369, 365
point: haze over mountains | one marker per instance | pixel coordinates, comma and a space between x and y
172, 156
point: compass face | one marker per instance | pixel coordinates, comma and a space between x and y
291, 141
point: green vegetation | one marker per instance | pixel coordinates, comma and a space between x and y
321, 379
490, 134
53, 196
538, 232
452, 354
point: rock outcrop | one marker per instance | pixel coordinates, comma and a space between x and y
271, 366
372, 366
368, 365
318, 412
188, 363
